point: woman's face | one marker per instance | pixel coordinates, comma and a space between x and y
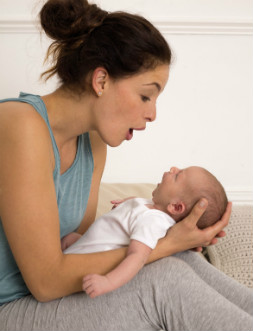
128, 104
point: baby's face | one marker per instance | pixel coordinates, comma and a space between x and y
175, 185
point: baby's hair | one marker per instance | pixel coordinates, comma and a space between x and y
214, 192
86, 37
217, 202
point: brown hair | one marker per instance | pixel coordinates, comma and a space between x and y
217, 203
86, 37
214, 192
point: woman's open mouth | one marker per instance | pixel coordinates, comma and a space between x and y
130, 134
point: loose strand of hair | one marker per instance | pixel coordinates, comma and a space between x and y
52, 55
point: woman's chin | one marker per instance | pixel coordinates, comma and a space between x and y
114, 143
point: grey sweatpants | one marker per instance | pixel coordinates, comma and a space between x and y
179, 293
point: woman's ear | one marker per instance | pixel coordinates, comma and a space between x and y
99, 79
176, 208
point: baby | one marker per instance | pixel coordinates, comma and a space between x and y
139, 223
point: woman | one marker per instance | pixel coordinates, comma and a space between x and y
112, 67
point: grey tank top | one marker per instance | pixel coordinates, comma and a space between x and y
72, 193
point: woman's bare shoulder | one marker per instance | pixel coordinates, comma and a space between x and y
18, 113
21, 121
22, 130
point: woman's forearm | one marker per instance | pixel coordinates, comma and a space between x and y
65, 277
163, 249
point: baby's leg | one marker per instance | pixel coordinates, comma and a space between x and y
235, 292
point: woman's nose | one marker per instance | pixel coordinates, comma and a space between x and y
174, 170
151, 115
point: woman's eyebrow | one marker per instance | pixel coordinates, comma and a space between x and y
158, 86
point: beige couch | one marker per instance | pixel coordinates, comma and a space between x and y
233, 254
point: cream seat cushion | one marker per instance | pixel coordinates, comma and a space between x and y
113, 191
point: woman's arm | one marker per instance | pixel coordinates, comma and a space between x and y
29, 211
137, 255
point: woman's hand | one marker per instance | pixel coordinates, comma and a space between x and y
218, 226
186, 235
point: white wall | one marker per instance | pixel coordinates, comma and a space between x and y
204, 114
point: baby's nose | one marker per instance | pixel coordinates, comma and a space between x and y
174, 170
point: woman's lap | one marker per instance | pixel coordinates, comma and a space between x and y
121, 309
75, 312
161, 296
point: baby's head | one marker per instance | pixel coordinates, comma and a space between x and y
179, 191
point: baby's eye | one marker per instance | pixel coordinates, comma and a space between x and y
176, 176
144, 98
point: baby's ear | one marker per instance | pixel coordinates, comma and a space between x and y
176, 208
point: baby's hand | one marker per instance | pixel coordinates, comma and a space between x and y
95, 285
117, 202
69, 240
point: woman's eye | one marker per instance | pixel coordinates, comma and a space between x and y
145, 99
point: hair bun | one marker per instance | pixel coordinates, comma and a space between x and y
67, 19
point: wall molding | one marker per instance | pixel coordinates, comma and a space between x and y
175, 26
240, 196
18, 26
208, 27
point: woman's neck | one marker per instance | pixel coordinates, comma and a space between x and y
69, 115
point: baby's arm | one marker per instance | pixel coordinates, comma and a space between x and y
69, 239
137, 255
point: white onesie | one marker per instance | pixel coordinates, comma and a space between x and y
131, 219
